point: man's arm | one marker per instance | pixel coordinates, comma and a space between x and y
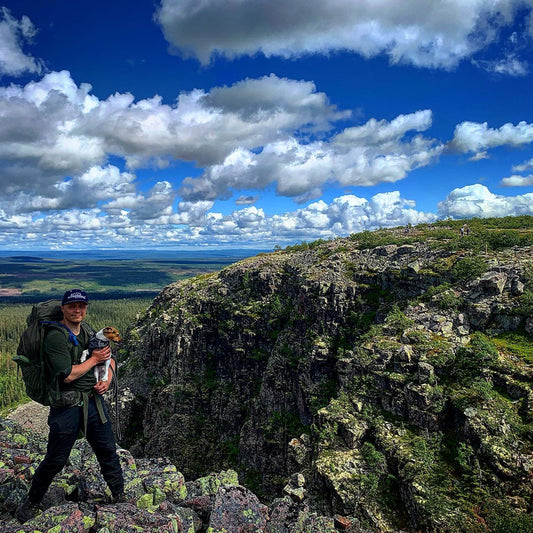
98, 356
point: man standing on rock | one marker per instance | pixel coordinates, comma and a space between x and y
80, 409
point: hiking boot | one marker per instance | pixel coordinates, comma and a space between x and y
119, 498
26, 511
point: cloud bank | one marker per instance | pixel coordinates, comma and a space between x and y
424, 33
478, 201
69, 161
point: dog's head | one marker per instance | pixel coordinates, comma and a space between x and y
111, 334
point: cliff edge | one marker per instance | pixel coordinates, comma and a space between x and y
391, 384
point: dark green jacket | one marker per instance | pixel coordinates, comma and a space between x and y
62, 354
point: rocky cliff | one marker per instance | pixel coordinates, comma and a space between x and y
392, 384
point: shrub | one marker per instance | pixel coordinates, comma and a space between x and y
468, 268
449, 300
397, 320
482, 349
481, 391
443, 234
528, 274
471, 359
503, 239
501, 518
525, 304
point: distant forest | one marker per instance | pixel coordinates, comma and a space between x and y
119, 290
31, 279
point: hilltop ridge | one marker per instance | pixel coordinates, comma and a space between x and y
390, 370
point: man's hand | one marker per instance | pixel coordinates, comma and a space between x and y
102, 386
101, 354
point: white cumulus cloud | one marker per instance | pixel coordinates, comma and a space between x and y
54, 128
377, 152
517, 181
478, 201
478, 137
13, 35
522, 167
349, 214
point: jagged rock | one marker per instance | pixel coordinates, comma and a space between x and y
209, 485
295, 488
480, 314
358, 369
517, 287
284, 513
161, 474
387, 250
202, 492
406, 249
289, 516
130, 519
426, 373
187, 520
492, 282
238, 510
405, 353
314, 523
342, 470
159, 499
342, 523
64, 518
419, 396
414, 267
350, 428
300, 452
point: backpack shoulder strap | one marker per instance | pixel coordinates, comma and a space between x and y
75, 348
62, 327
88, 329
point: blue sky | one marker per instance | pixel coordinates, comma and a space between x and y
254, 123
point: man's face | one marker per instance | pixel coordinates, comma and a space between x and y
74, 312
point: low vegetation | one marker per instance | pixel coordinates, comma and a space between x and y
488, 234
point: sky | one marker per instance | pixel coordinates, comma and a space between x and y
203, 124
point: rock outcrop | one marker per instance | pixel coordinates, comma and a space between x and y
386, 378
159, 499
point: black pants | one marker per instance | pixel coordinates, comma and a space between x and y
65, 424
